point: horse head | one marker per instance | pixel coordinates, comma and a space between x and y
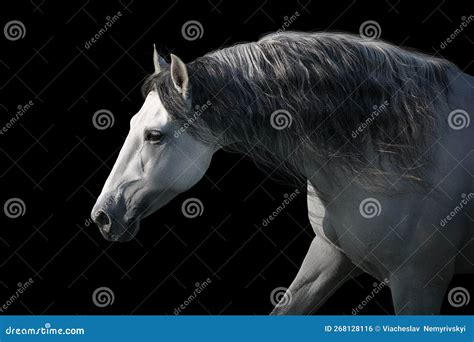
155, 163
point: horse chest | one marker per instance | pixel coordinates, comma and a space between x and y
357, 244
356, 250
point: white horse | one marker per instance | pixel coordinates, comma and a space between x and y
389, 190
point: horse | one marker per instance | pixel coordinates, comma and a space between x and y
378, 135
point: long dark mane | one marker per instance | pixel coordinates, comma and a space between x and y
361, 107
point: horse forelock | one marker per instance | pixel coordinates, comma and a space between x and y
355, 105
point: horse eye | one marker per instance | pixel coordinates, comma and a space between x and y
153, 136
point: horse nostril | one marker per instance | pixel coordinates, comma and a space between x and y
102, 219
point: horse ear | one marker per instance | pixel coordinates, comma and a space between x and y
158, 61
179, 75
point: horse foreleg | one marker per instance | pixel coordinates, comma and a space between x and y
323, 271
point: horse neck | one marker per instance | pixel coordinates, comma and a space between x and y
288, 162
277, 150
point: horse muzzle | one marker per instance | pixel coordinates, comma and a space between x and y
109, 216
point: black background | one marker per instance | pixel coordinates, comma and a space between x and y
56, 161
